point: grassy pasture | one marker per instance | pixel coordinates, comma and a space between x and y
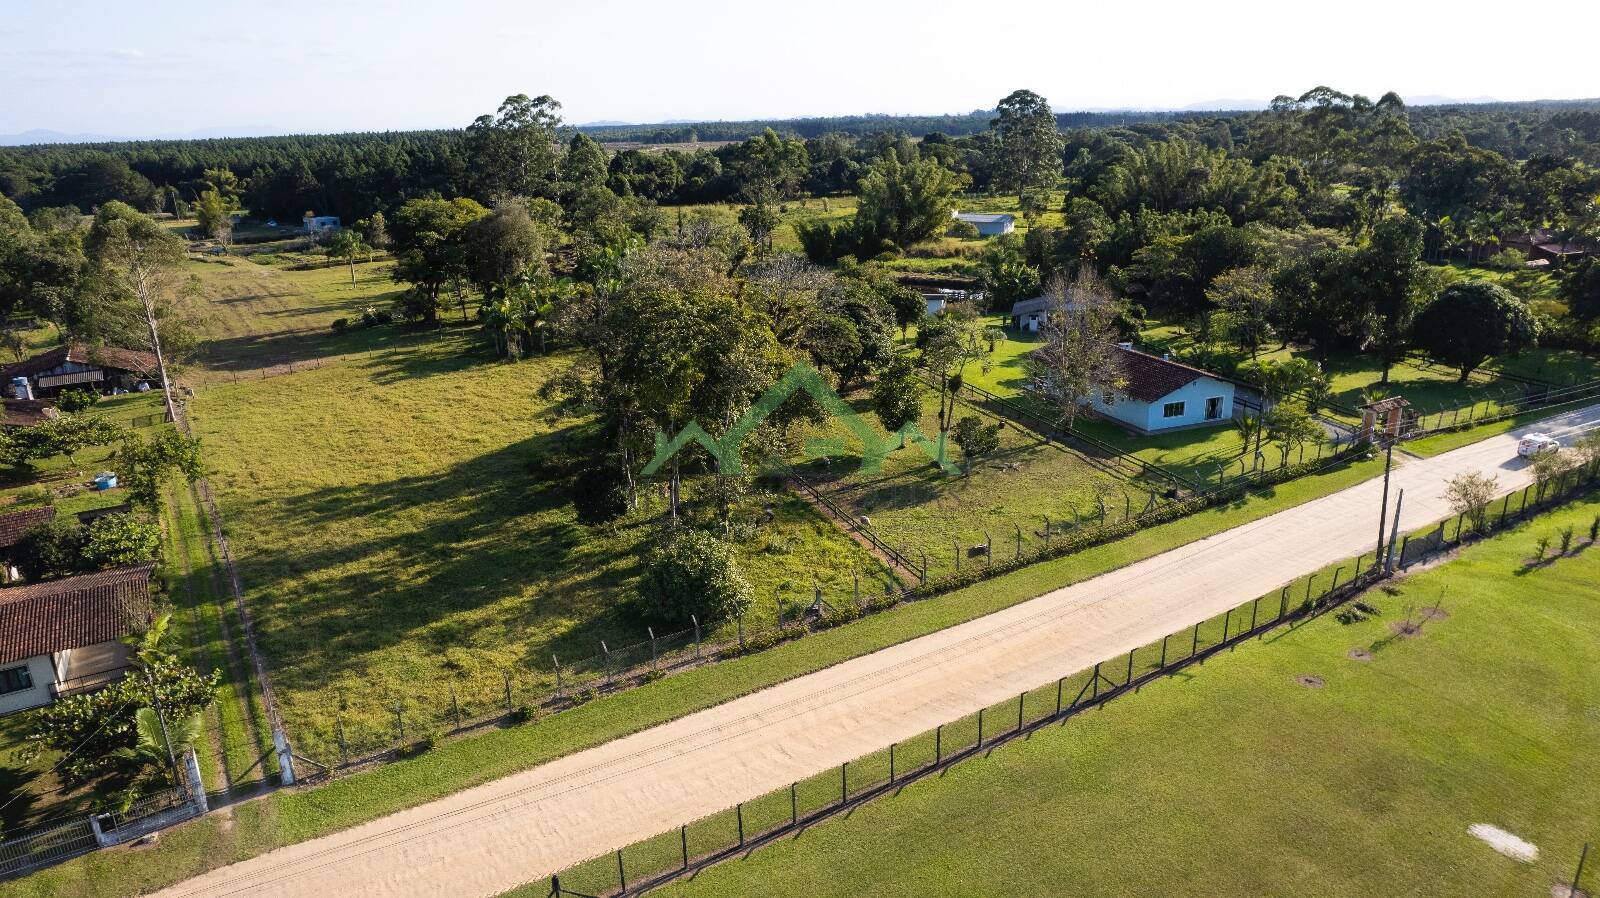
401, 514
1236, 779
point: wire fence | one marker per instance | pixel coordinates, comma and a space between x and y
375, 725
650, 863
1516, 400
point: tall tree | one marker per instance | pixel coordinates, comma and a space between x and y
516, 152
139, 262
1079, 359
1027, 144
904, 203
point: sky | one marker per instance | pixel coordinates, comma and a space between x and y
159, 69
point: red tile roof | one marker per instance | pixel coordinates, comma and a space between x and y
55, 615
13, 525
1151, 378
84, 354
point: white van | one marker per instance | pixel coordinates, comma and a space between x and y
1536, 444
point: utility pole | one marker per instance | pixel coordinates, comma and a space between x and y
1383, 511
172, 757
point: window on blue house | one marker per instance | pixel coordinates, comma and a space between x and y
1172, 410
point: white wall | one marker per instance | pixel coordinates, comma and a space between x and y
44, 676
1147, 416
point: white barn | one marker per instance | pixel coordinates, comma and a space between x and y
1162, 395
988, 224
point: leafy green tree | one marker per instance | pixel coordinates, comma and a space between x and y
430, 240
504, 246
897, 395
66, 435
904, 203
73, 401
1027, 153
145, 467
1007, 276
908, 305
760, 219
1290, 426
121, 539
1245, 305
853, 334
51, 550
346, 244
516, 152
374, 230
975, 438
215, 217
1581, 289
691, 572
1277, 380
154, 747
585, 165
92, 730
1471, 322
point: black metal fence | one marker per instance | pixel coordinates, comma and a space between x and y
709, 840
650, 863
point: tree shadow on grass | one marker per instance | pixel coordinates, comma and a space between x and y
484, 531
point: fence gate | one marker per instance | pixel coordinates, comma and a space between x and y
1420, 547
46, 846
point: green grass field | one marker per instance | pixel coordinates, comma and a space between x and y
918, 508
403, 524
284, 818
1236, 779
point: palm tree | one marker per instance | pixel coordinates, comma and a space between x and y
155, 750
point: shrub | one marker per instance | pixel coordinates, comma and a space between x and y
524, 714
693, 572
965, 230
340, 325
1566, 539
1540, 547
119, 539
74, 401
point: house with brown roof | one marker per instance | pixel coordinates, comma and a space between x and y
103, 368
1159, 394
61, 637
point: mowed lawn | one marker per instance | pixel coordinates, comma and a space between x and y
400, 512
1235, 779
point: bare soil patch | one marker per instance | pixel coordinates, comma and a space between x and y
1310, 681
1359, 654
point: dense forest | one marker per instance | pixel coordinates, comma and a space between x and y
354, 175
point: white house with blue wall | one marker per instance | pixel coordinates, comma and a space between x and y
1161, 395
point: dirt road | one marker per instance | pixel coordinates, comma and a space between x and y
486, 840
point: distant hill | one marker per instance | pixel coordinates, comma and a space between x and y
40, 135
